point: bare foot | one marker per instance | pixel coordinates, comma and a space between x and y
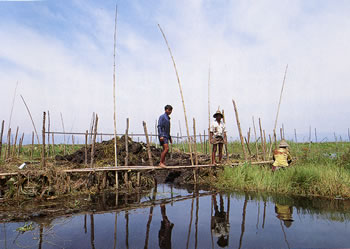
162, 165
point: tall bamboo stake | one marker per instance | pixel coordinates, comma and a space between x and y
64, 135
43, 163
127, 143
86, 149
279, 103
93, 143
32, 149
315, 135
295, 134
13, 104
195, 141
1, 134
265, 143
48, 134
239, 130
270, 141
15, 144
183, 146
20, 144
225, 142
182, 98
283, 131
114, 100
262, 140
53, 145
30, 115
256, 141
148, 144
209, 138
8, 149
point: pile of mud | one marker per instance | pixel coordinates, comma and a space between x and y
137, 156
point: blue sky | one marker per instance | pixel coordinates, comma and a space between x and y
61, 53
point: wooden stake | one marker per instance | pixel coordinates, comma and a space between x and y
43, 153
93, 143
15, 144
262, 140
30, 115
53, 145
265, 144
281, 134
20, 145
48, 134
247, 143
32, 150
126, 150
86, 148
315, 135
64, 135
195, 141
201, 142
8, 155
148, 144
225, 137
256, 141
209, 135
1, 134
275, 138
283, 131
270, 141
182, 98
239, 130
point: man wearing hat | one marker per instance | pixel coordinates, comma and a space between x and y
217, 135
281, 156
164, 133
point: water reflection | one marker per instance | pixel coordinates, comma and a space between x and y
168, 217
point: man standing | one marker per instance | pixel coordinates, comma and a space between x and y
217, 136
164, 133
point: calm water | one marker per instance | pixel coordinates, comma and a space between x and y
179, 218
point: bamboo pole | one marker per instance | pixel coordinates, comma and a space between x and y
256, 141
30, 115
209, 135
86, 148
148, 144
201, 142
279, 103
15, 144
275, 138
183, 146
43, 163
283, 131
53, 145
270, 141
239, 130
195, 141
247, 143
93, 143
64, 135
225, 137
1, 134
262, 140
48, 135
265, 144
13, 104
114, 100
295, 134
32, 149
182, 98
20, 145
315, 135
127, 142
8, 153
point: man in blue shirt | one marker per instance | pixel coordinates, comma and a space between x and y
164, 133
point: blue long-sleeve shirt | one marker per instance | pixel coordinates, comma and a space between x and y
164, 126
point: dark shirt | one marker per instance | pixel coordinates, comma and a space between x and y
164, 126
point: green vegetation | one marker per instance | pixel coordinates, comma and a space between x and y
321, 169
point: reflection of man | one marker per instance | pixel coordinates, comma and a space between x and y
220, 226
285, 214
166, 227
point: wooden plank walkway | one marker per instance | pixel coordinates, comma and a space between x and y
137, 168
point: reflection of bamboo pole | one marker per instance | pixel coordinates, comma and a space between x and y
258, 216
150, 219
263, 224
114, 101
196, 223
148, 144
41, 231
30, 115
243, 221
182, 98
115, 230
284, 234
92, 232
127, 229
189, 227
239, 130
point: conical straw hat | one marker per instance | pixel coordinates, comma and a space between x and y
283, 144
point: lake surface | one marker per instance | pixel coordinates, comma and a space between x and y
168, 217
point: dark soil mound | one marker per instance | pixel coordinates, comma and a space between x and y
138, 156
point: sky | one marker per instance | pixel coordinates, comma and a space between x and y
60, 53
